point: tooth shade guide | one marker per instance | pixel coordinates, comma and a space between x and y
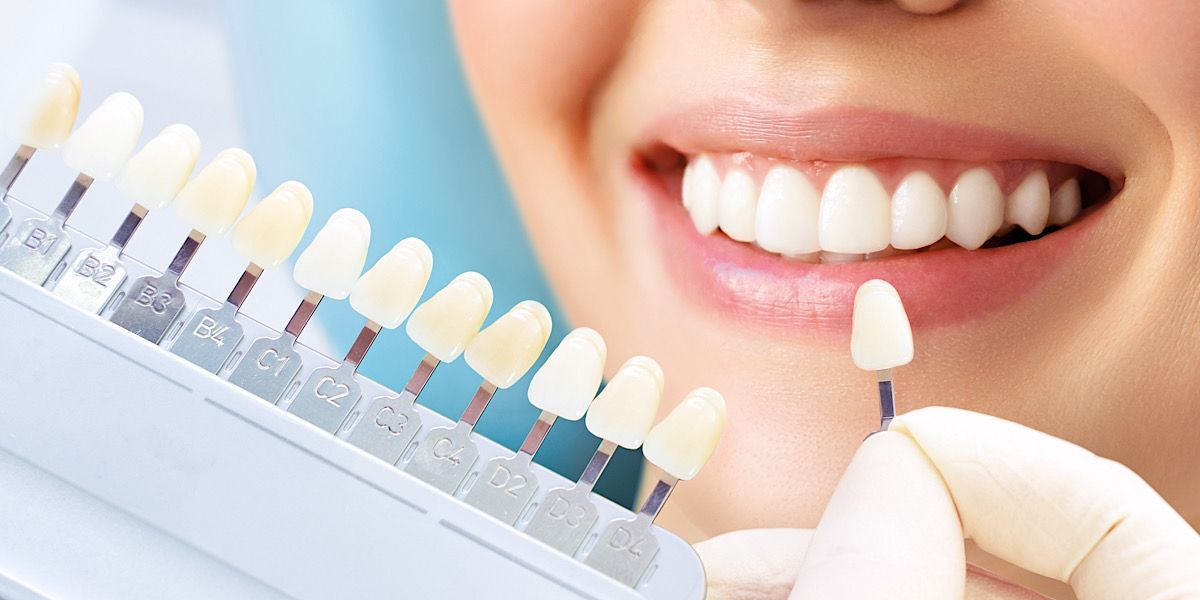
375, 430
36, 248
15, 166
153, 304
887, 399
271, 363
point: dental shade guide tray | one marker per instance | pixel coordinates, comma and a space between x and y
126, 471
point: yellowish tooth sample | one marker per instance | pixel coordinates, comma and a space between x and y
50, 109
445, 323
566, 383
102, 144
388, 291
332, 262
881, 337
156, 174
270, 232
683, 441
213, 199
505, 350
624, 412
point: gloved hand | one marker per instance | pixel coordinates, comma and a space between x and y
895, 525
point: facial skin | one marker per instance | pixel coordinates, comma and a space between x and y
1092, 334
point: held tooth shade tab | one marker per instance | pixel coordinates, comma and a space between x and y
881, 337
387, 293
270, 232
156, 174
505, 350
683, 441
566, 383
213, 199
445, 323
49, 112
102, 144
333, 261
624, 412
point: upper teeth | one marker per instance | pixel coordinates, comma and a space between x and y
854, 214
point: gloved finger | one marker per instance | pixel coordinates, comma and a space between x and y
1056, 509
753, 563
889, 531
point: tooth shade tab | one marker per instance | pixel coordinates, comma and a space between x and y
624, 411
568, 380
45, 119
918, 212
388, 291
211, 202
102, 144
445, 323
157, 173
684, 440
270, 232
505, 350
856, 213
333, 261
881, 337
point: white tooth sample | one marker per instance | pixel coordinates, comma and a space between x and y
156, 174
503, 352
1066, 203
388, 291
684, 440
49, 112
976, 209
624, 411
332, 262
788, 209
856, 213
568, 380
445, 323
211, 202
102, 144
918, 212
736, 204
1029, 204
701, 187
270, 232
880, 337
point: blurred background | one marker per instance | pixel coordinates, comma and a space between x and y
364, 102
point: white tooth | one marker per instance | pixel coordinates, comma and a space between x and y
976, 209
625, 410
103, 143
880, 336
49, 111
788, 208
736, 205
1065, 203
918, 212
211, 202
566, 383
444, 324
856, 213
682, 442
388, 291
154, 176
270, 232
701, 186
1029, 204
332, 262
505, 350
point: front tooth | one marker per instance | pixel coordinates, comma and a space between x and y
107, 137
856, 213
270, 232
736, 205
213, 199
788, 209
682, 442
976, 209
505, 350
388, 291
918, 212
701, 186
1066, 202
445, 323
880, 335
566, 383
624, 412
1029, 204
332, 262
154, 176
49, 112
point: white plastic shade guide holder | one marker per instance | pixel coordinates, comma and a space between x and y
210, 203
442, 326
620, 416
502, 353
265, 237
881, 339
97, 150
328, 267
384, 295
679, 446
151, 178
563, 387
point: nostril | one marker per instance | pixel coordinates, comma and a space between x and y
927, 7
